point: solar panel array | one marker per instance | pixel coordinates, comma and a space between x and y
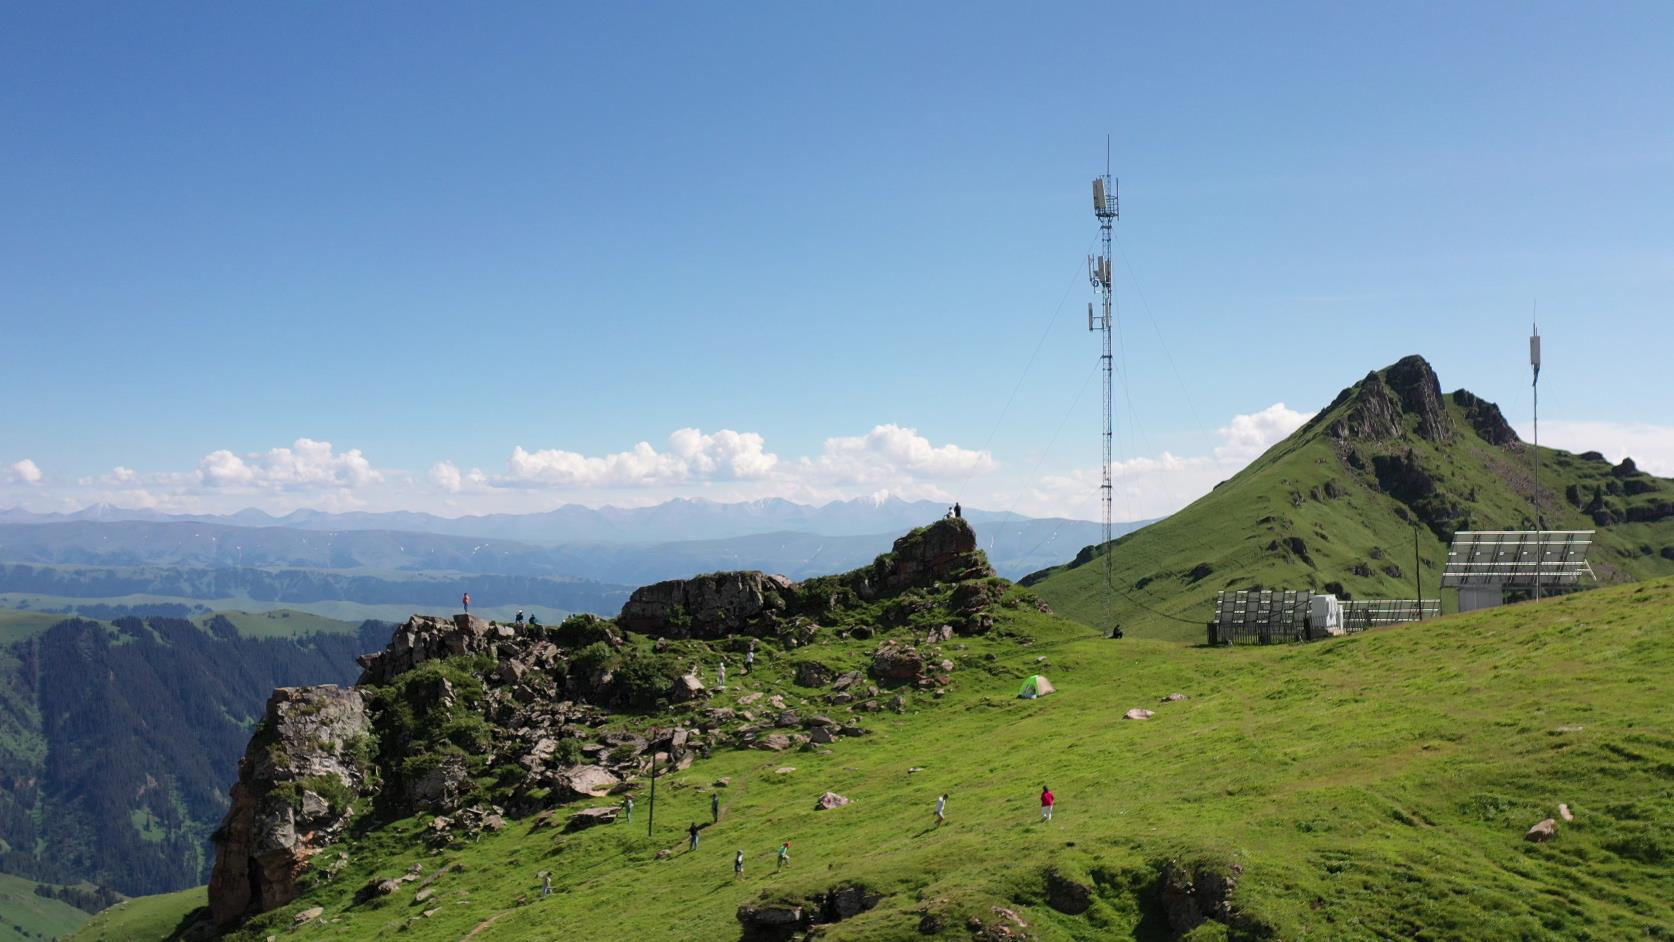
1517, 558
1272, 615
1262, 616
1377, 613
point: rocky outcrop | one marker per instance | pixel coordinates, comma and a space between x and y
708, 606
428, 638
1415, 384
945, 551
1191, 894
1374, 413
783, 918
1485, 418
296, 788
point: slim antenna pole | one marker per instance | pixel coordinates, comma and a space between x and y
1418, 575
1107, 209
1534, 452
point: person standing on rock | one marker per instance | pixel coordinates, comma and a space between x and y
738, 865
957, 512
784, 855
715, 807
941, 810
466, 601
1047, 800
693, 831
520, 616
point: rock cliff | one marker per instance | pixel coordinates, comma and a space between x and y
297, 787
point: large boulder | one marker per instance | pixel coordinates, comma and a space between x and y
294, 795
709, 606
584, 781
896, 663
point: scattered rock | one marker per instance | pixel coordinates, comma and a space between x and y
775, 742
813, 674
896, 663
710, 606
1565, 813
830, 800
784, 770
1068, 896
1137, 714
591, 817
308, 915
1542, 832
584, 781
424, 895
1175, 698
686, 687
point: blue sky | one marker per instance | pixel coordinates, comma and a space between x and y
523, 239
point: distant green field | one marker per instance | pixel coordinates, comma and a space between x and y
25, 917
149, 917
25, 604
1371, 787
16, 625
282, 623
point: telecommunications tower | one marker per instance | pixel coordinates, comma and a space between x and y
1534, 451
1106, 208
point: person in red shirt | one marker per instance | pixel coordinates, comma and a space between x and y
1046, 802
466, 601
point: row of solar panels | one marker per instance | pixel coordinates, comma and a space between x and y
1273, 615
1517, 558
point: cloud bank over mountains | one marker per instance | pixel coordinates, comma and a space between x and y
723, 465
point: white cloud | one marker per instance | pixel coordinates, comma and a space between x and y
447, 476
1247, 436
1650, 446
691, 456
889, 453
24, 471
1149, 486
306, 464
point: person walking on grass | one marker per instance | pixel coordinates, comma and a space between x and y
941, 810
784, 855
738, 865
628, 806
693, 830
1047, 800
715, 807
723, 682
546, 882
750, 659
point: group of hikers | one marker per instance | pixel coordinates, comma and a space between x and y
532, 620
954, 512
694, 833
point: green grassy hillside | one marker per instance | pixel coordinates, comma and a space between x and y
28, 917
1337, 506
1370, 787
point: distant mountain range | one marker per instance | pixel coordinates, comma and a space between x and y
610, 545
672, 521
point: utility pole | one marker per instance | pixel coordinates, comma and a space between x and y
1417, 574
651, 813
1534, 452
1107, 210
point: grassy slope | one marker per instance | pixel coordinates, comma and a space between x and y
1376, 786
148, 917
1283, 494
25, 917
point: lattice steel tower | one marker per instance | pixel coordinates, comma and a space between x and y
1107, 209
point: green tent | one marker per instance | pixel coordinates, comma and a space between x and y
1036, 686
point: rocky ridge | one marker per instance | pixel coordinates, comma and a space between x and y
548, 713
